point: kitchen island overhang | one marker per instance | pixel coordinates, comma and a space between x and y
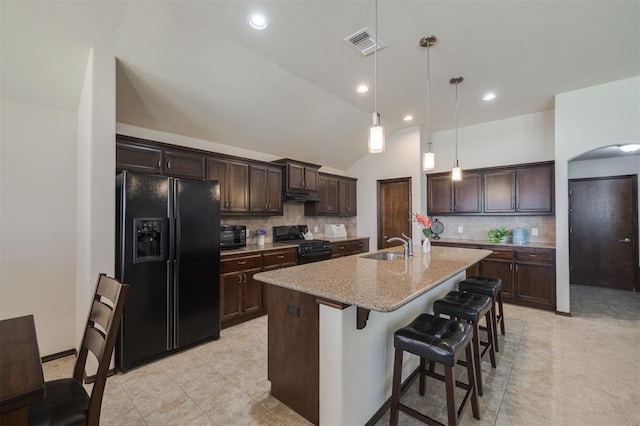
320, 363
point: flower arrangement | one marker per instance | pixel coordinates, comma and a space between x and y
424, 221
261, 231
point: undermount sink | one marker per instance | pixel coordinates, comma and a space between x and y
384, 255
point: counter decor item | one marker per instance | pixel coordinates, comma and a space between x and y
498, 235
261, 232
426, 222
519, 236
436, 229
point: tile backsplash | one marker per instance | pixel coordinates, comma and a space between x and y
293, 215
476, 227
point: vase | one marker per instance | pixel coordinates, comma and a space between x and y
260, 240
426, 246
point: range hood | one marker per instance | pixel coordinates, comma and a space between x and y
301, 196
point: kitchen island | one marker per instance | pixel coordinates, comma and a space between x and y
331, 327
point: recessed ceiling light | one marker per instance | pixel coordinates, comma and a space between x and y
258, 21
630, 147
489, 97
363, 88
408, 117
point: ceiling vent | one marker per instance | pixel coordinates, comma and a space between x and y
363, 41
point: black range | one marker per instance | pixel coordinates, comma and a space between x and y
308, 250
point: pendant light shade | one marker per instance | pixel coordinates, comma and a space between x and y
376, 135
376, 131
428, 160
429, 157
456, 172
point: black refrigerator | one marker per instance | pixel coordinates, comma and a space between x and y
168, 251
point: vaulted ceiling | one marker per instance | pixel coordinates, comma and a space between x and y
195, 68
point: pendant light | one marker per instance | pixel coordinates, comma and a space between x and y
456, 172
376, 131
429, 157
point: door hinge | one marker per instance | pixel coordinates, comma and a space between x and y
570, 230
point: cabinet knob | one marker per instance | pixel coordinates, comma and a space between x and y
280, 257
242, 262
240, 279
533, 255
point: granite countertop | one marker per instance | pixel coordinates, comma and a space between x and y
252, 248
489, 243
379, 285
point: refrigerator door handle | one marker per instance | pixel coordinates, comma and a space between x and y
169, 304
176, 272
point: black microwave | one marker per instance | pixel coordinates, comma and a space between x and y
233, 236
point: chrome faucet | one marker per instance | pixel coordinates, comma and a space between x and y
405, 245
410, 243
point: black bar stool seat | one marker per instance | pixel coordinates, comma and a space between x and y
470, 307
439, 340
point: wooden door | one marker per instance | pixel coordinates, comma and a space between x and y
310, 179
252, 300
603, 232
394, 210
230, 296
180, 164
332, 195
352, 198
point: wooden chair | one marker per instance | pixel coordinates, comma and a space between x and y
66, 401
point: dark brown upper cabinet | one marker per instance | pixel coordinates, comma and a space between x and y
138, 158
181, 164
447, 197
521, 190
299, 176
338, 197
525, 190
234, 184
266, 189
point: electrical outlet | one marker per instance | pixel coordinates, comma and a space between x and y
534, 232
460, 229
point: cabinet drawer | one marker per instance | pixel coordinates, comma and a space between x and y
280, 257
501, 255
236, 264
535, 256
340, 248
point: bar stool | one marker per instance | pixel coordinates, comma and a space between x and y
492, 282
491, 287
436, 340
471, 308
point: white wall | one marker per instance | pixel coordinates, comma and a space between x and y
38, 181
587, 119
95, 248
401, 158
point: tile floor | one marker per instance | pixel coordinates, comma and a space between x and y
552, 370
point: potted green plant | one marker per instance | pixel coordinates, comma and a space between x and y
498, 235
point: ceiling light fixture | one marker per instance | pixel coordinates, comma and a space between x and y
363, 88
456, 172
630, 147
489, 97
429, 157
408, 117
258, 21
376, 131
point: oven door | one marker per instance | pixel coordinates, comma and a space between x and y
313, 257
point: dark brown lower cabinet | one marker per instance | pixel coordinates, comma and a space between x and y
349, 247
241, 296
528, 274
294, 351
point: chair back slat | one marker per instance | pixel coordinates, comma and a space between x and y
94, 341
101, 343
109, 288
101, 315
